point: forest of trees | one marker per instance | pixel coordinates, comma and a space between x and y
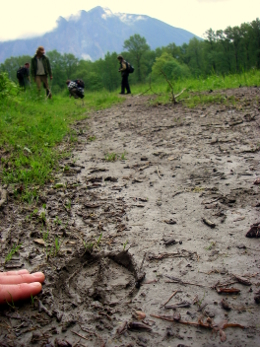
222, 52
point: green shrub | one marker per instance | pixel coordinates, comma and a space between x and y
8, 88
170, 67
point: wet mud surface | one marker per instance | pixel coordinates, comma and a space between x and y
150, 249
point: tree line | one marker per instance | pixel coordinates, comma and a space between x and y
233, 50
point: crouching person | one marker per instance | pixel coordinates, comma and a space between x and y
76, 88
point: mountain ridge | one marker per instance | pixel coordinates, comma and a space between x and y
91, 34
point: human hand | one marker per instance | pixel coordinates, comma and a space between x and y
18, 285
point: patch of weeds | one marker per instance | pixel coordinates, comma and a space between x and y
45, 235
99, 240
199, 302
198, 189
54, 249
212, 245
73, 139
57, 245
29, 196
43, 218
68, 204
123, 155
12, 252
59, 185
32, 214
32, 300
111, 156
204, 99
57, 221
89, 245
91, 138
124, 244
12, 302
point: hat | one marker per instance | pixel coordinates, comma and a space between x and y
119, 56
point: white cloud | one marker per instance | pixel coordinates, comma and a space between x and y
196, 16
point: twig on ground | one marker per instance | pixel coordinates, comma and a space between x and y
83, 337
173, 294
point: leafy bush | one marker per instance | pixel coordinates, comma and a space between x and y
170, 67
7, 87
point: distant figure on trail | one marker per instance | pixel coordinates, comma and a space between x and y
41, 69
124, 74
23, 75
76, 88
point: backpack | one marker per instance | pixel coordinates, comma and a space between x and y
130, 68
80, 83
20, 73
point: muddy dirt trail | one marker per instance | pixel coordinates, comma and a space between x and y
149, 249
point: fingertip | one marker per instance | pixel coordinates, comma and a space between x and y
38, 276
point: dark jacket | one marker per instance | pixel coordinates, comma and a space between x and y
123, 68
46, 65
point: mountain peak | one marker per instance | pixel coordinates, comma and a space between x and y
96, 32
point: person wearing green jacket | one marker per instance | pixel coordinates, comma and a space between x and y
41, 69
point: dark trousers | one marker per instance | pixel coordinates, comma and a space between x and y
24, 82
125, 84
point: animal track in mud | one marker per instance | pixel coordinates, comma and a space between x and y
94, 281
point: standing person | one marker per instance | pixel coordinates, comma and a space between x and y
41, 69
23, 75
124, 74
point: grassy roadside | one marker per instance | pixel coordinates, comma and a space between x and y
196, 88
32, 127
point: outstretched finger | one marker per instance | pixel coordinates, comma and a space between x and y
15, 292
11, 273
22, 278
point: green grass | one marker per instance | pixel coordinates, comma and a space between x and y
32, 128
111, 156
196, 88
14, 249
114, 156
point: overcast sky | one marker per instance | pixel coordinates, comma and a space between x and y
27, 18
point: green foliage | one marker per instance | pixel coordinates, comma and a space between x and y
99, 239
8, 89
57, 245
31, 130
13, 250
11, 304
111, 156
123, 155
170, 67
137, 47
124, 244
12, 64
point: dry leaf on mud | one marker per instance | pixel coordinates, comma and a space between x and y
222, 335
39, 242
254, 230
138, 326
139, 315
228, 290
170, 221
257, 181
208, 222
